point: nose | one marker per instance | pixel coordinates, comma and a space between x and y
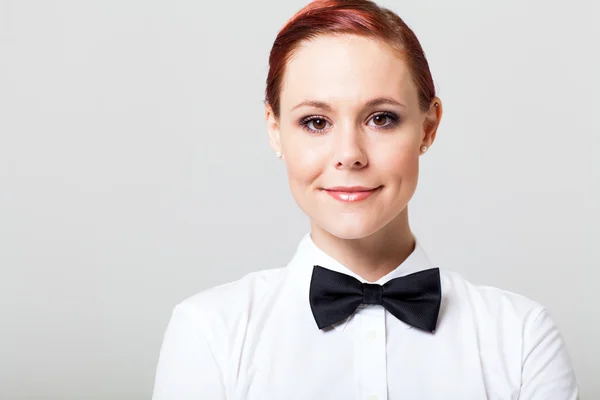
350, 151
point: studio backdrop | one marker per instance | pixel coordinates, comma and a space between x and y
135, 171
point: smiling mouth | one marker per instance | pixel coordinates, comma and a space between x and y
351, 194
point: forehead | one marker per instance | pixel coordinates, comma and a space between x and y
346, 70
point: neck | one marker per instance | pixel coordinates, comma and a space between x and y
370, 257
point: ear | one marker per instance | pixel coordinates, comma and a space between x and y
431, 122
272, 128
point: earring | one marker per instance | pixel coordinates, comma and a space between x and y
278, 154
436, 104
423, 148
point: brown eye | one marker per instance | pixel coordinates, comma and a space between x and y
319, 123
314, 124
380, 119
384, 120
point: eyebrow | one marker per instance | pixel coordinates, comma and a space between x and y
371, 103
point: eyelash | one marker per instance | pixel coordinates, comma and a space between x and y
392, 116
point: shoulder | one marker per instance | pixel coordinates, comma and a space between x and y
224, 311
518, 330
228, 300
203, 331
487, 301
220, 315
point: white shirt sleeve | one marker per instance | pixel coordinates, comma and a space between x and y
187, 368
547, 370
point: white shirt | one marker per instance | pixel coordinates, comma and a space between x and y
256, 339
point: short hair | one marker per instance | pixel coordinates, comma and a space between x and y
358, 17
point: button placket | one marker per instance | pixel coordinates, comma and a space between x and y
373, 353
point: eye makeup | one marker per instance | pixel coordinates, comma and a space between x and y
392, 118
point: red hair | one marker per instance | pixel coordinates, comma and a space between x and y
358, 17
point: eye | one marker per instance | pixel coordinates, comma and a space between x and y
380, 119
318, 123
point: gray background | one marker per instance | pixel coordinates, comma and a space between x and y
135, 171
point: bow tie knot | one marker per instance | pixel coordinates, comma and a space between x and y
372, 293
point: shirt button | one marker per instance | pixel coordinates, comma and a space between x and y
370, 335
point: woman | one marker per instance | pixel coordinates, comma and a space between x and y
359, 312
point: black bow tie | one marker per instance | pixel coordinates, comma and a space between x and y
414, 299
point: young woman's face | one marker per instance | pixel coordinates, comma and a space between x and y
349, 116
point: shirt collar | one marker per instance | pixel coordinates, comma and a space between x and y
309, 254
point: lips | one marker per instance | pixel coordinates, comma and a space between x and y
350, 194
351, 189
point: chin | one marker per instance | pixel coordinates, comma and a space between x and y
350, 229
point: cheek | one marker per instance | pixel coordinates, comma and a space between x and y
400, 167
304, 164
